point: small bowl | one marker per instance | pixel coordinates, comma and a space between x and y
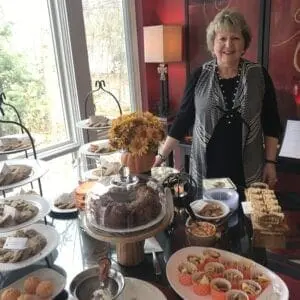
198, 205
85, 283
195, 239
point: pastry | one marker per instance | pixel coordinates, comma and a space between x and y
45, 289
16, 173
65, 201
35, 243
10, 294
30, 284
98, 121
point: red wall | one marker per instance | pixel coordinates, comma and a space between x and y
158, 12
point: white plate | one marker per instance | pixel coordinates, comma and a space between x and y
200, 204
63, 211
140, 290
134, 229
52, 241
38, 201
56, 278
214, 183
20, 137
55, 209
39, 168
20, 149
84, 125
104, 143
186, 292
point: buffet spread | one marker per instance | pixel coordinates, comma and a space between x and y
125, 209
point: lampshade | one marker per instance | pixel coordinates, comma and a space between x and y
163, 43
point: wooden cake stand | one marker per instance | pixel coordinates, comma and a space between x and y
130, 246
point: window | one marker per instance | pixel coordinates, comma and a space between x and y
30, 77
45, 66
110, 58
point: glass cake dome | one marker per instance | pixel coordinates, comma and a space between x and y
125, 203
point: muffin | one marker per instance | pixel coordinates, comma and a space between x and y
214, 269
219, 287
236, 295
197, 260
228, 263
245, 267
30, 284
262, 279
234, 277
45, 289
251, 288
186, 269
211, 255
201, 284
10, 294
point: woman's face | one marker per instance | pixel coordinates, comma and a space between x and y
229, 46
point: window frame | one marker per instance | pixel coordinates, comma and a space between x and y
71, 55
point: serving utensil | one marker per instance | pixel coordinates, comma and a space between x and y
104, 266
156, 265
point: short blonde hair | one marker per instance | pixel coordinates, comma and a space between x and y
231, 20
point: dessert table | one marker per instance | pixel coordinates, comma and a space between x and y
78, 251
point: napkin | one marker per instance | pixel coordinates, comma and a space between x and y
151, 244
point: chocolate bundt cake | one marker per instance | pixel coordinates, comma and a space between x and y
129, 209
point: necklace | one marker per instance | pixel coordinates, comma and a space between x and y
229, 87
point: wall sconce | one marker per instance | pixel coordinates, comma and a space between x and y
163, 44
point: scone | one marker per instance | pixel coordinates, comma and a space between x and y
30, 284
45, 289
10, 294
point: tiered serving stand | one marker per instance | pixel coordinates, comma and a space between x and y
101, 131
39, 168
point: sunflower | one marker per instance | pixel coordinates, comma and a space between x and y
137, 133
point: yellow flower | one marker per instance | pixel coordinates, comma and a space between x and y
137, 133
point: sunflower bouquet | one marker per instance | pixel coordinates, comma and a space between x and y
137, 133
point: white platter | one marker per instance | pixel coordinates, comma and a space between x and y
63, 211
84, 125
186, 292
20, 149
39, 168
52, 241
59, 281
197, 205
104, 143
55, 209
20, 137
94, 227
38, 201
140, 290
217, 183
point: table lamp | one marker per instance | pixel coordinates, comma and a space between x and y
163, 44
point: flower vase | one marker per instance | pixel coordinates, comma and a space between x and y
138, 164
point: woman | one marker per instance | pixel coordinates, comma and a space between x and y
230, 102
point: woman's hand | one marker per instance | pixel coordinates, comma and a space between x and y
158, 161
270, 175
